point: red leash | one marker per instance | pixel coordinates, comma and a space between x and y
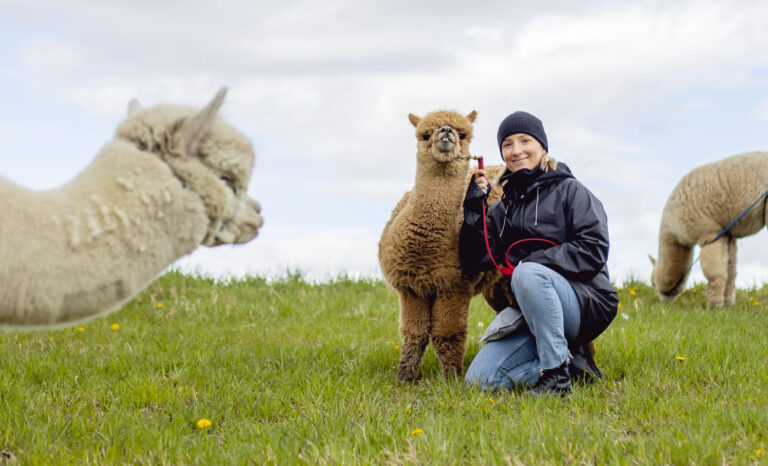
507, 271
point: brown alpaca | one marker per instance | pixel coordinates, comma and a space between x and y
702, 204
419, 247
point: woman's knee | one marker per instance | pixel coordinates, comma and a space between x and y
528, 275
504, 363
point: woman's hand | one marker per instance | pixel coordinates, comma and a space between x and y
481, 181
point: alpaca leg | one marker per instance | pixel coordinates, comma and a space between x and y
414, 327
449, 331
714, 264
730, 285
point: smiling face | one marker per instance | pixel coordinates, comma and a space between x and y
521, 150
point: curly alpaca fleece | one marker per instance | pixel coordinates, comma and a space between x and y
173, 178
702, 204
419, 247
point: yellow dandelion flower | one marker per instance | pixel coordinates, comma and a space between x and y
408, 411
159, 305
755, 303
491, 400
693, 290
311, 286
759, 452
632, 292
81, 329
417, 431
390, 342
680, 358
115, 326
397, 346
203, 423
619, 304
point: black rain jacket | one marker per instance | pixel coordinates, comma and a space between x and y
555, 206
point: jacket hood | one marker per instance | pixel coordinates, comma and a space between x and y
522, 181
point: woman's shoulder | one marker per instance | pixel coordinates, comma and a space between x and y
565, 177
571, 187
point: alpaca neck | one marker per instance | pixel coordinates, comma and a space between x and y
103, 236
440, 188
140, 205
673, 263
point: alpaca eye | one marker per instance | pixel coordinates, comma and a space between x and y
230, 182
425, 136
462, 135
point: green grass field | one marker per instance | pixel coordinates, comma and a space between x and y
289, 372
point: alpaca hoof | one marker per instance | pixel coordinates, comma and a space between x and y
408, 372
408, 376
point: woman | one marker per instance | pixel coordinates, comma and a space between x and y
563, 291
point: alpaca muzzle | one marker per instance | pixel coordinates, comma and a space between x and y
243, 226
446, 139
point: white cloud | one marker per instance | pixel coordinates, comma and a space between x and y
614, 51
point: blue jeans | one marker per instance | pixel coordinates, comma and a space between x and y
553, 314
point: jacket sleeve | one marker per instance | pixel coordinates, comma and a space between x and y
585, 252
472, 250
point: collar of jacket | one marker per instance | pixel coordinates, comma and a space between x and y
515, 184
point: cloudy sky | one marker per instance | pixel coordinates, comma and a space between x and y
632, 94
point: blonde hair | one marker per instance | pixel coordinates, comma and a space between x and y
547, 163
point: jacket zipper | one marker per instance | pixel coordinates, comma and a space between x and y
522, 208
522, 212
504, 220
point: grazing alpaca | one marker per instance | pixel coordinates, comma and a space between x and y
419, 248
172, 178
702, 204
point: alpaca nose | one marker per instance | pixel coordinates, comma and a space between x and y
446, 129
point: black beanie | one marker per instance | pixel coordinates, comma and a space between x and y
522, 122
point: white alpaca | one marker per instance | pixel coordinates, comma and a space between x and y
702, 204
172, 178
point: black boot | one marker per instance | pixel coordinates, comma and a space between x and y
555, 381
583, 368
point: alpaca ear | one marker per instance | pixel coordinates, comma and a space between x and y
471, 117
134, 107
653, 261
194, 128
414, 119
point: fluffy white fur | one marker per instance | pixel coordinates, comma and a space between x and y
703, 203
173, 178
